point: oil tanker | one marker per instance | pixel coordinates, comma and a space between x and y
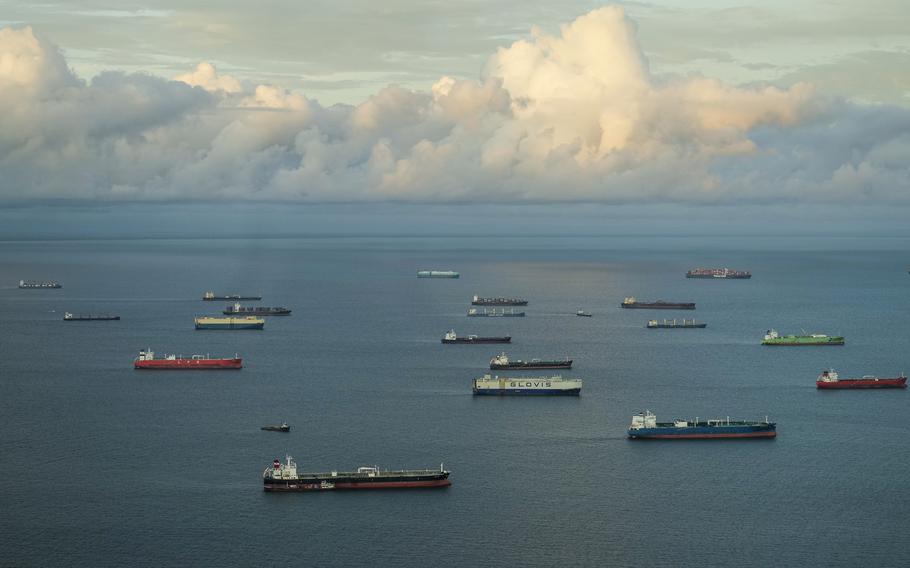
674, 324
32, 284
452, 337
632, 304
646, 427
774, 338
505, 386
478, 301
829, 380
229, 323
437, 274
284, 477
502, 362
147, 360
212, 297
494, 313
89, 317
237, 309
723, 273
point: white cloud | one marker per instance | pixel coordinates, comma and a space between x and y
575, 116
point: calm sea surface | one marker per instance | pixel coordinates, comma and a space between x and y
101, 465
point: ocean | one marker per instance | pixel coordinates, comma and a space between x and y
102, 465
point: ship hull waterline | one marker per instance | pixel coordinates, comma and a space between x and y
862, 384
527, 392
764, 434
295, 487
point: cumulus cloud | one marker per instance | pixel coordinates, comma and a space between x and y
576, 116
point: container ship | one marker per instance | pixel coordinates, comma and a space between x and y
829, 380
437, 274
633, 304
246, 322
774, 338
284, 477
212, 297
718, 273
646, 427
31, 284
674, 324
237, 309
89, 317
452, 337
504, 386
147, 360
502, 362
478, 301
494, 313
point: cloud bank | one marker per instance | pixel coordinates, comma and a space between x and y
573, 117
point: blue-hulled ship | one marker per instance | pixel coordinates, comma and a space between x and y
646, 427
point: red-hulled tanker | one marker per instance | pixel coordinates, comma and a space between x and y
147, 360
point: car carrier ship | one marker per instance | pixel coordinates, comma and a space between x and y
829, 380
229, 323
502, 362
237, 309
505, 386
284, 477
452, 337
147, 360
478, 301
631, 303
774, 338
646, 427
721, 273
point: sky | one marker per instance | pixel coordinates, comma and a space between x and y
692, 105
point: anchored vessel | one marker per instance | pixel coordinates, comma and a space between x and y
146, 360
502, 361
283, 427
284, 477
237, 309
494, 313
674, 324
89, 317
645, 426
632, 303
829, 380
39, 284
774, 338
718, 273
557, 385
246, 322
478, 301
582, 314
451, 337
437, 274
211, 297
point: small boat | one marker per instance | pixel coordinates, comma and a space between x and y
283, 427
582, 314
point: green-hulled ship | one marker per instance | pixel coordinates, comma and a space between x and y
774, 338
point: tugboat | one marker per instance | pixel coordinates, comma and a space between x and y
451, 337
494, 313
284, 477
630, 303
646, 427
239, 310
774, 338
283, 427
582, 314
829, 380
89, 317
212, 297
478, 301
673, 324
502, 362
146, 360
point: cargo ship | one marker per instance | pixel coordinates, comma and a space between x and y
246, 322
89, 317
718, 273
505, 386
632, 303
284, 477
283, 427
502, 362
829, 380
774, 338
494, 313
582, 314
212, 297
646, 427
451, 337
478, 301
147, 360
237, 309
674, 324
437, 274
31, 284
